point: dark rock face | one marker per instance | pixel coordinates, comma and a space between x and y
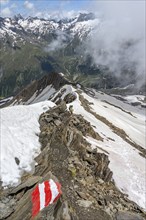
70, 98
87, 186
102, 169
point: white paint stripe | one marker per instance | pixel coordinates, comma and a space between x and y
42, 195
54, 190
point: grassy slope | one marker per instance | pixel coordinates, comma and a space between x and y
21, 66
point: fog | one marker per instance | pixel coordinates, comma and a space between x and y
58, 43
119, 40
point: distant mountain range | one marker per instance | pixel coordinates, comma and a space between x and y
33, 29
32, 47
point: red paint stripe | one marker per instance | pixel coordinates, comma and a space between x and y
59, 192
48, 193
35, 196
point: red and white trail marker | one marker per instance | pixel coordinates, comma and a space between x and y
44, 194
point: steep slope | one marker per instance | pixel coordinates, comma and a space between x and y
38, 90
93, 143
122, 128
88, 188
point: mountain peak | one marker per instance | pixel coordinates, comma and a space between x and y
86, 17
18, 17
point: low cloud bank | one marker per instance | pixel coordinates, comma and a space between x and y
118, 42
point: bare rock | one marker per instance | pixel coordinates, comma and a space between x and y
84, 203
121, 215
6, 207
70, 97
30, 182
102, 169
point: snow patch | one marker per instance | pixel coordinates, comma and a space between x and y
43, 96
133, 124
19, 130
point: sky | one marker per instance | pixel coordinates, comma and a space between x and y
42, 8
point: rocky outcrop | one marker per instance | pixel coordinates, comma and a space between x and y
88, 189
54, 80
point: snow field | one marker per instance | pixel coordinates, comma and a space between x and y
19, 139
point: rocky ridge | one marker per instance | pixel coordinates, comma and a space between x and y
88, 189
37, 90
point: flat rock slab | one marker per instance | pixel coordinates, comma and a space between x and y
128, 216
30, 182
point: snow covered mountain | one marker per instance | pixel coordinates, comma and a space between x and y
32, 47
39, 119
19, 28
40, 46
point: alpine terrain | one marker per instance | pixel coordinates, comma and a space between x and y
65, 119
31, 47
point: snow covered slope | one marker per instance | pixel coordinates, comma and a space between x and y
126, 162
44, 95
121, 115
19, 140
135, 100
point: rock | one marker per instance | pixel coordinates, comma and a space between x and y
143, 105
74, 121
91, 150
82, 181
82, 195
57, 122
76, 162
84, 203
90, 179
55, 115
135, 103
65, 213
49, 119
102, 169
62, 107
70, 97
71, 109
121, 215
5, 210
108, 210
30, 182
17, 160
100, 181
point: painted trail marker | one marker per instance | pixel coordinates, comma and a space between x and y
44, 194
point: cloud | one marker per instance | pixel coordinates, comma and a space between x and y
58, 43
6, 12
29, 5
3, 2
13, 6
58, 14
119, 41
